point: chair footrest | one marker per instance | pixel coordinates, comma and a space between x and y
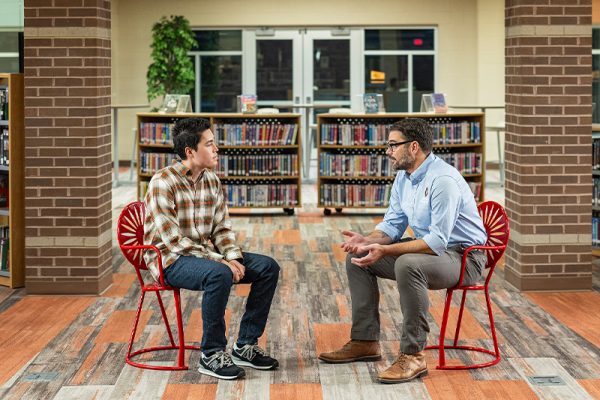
157, 349
495, 361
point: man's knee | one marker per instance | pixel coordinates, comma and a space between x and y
348, 262
407, 268
349, 257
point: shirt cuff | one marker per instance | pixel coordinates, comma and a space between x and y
233, 254
210, 255
435, 243
388, 230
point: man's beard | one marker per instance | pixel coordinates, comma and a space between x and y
405, 162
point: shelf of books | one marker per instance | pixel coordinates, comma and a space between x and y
259, 156
12, 239
354, 171
596, 190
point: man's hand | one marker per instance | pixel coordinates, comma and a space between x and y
376, 251
353, 242
238, 273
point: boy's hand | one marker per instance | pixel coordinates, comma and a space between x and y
239, 266
237, 273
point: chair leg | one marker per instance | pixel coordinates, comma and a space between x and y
460, 314
135, 324
492, 326
181, 355
164, 315
442, 355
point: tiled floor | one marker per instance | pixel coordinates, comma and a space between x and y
72, 347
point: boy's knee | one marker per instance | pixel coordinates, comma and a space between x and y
221, 276
273, 268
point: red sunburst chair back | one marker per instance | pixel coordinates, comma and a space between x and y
130, 235
130, 232
497, 228
496, 225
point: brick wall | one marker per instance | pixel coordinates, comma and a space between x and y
548, 143
68, 146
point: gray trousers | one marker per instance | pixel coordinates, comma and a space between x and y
415, 274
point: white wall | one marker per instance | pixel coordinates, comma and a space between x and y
11, 15
490, 54
462, 35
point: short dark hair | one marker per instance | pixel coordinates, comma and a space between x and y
187, 132
416, 129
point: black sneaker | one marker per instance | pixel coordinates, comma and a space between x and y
220, 366
250, 355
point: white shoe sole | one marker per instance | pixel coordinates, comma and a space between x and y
243, 363
208, 372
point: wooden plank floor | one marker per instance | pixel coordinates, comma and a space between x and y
73, 347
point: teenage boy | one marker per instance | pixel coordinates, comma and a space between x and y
188, 221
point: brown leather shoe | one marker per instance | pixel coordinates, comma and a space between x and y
354, 350
405, 368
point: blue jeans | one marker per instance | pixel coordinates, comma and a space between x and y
216, 279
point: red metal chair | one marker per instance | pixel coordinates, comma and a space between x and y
495, 222
130, 235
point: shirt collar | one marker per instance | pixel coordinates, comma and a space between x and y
182, 169
418, 175
186, 172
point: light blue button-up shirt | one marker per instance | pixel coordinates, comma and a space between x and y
437, 203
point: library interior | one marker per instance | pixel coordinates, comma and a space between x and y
260, 167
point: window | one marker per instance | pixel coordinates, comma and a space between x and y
595, 75
229, 40
11, 45
331, 70
399, 39
218, 63
274, 68
400, 64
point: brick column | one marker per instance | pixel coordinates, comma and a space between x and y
68, 146
548, 144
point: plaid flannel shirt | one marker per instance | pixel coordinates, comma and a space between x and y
183, 217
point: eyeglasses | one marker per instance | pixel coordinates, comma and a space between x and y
394, 145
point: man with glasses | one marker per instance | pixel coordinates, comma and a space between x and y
432, 198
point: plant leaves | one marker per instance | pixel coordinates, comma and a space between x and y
171, 70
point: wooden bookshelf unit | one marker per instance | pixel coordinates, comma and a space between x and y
12, 206
259, 156
354, 171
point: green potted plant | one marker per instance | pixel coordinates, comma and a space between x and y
172, 70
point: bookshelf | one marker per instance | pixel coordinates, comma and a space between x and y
12, 215
354, 171
259, 156
595, 190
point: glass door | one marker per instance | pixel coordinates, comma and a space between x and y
328, 75
327, 69
303, 71
273, 69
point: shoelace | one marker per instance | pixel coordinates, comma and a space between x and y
249, 351
402, 360
220, 359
